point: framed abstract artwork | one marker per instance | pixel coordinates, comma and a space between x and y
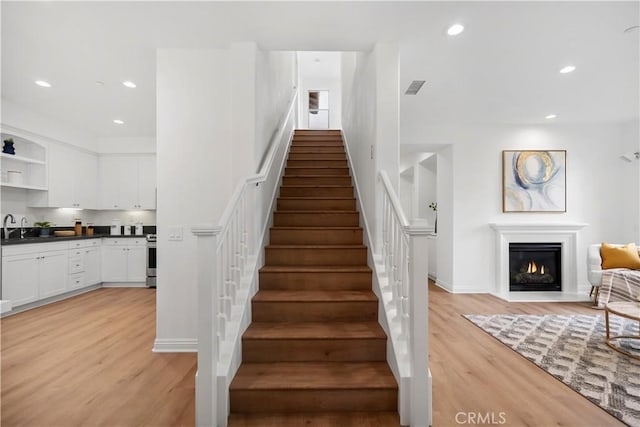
534, 181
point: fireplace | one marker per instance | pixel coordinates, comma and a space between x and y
535, 267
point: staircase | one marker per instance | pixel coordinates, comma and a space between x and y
315, 352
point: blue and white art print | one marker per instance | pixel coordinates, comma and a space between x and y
534, 181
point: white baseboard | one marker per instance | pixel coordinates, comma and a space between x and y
177, 345
124, 284
444, 285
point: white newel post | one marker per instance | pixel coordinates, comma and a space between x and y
419, 326
206, 396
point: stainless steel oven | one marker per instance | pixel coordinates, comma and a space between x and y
151, 260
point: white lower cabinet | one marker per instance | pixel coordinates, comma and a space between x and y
20, 279
84, 263
124, 260
33, 272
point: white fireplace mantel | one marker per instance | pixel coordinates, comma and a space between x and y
565, 233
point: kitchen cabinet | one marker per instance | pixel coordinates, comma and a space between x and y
124, 260
84, 263
52, 269
73, 179
128, 181
33, 272
20, 279
29, 164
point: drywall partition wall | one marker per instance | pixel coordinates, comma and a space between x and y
594, 193
194, 177
446, 218
19, 117
631, 144
243, 109
360, 131
275, 81
320, 71
371, 126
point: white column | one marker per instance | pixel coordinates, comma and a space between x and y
419, 325
206, 393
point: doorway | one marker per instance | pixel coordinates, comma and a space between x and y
318, 109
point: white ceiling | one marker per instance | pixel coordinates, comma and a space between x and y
502, 69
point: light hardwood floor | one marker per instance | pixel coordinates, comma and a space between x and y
87, 361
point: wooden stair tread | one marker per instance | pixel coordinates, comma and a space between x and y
314, 296
316, 198
316, 185
316, 419
313, 376
315, 269
311, 228
290, 175
314, 330
317, 246
320, 212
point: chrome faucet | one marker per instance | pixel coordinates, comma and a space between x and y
4, 225
23, 224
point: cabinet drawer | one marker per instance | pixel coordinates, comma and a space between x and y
76, 280
124, 241
89, 243
75, 265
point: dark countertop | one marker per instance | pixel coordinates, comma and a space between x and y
34, 239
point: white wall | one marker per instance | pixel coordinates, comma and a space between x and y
195, 175
127, 145
371, 126
276, 76
602, 190
14, 201
360, 131
323, 75
631, 143
19, 117
215, 110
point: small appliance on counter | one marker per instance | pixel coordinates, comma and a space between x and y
115, 227
127, 230
139, 229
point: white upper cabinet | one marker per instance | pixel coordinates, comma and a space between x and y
128, 181
73, 180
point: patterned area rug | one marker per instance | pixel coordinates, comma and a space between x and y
572, 349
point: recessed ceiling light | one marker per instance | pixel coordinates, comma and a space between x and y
118, 122
550, 116
42, 83
567, 69
316, 60
99, 83
455, 29
129, 84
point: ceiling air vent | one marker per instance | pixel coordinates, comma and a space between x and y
414, 87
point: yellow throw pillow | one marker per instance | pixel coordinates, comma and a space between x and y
620, 257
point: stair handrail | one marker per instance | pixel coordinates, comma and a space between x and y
267, 159
226, 270
404, 251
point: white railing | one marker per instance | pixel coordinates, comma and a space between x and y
404, 252
228, 254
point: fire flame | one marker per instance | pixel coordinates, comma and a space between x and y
532, 267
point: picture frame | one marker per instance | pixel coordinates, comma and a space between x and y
534, 181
